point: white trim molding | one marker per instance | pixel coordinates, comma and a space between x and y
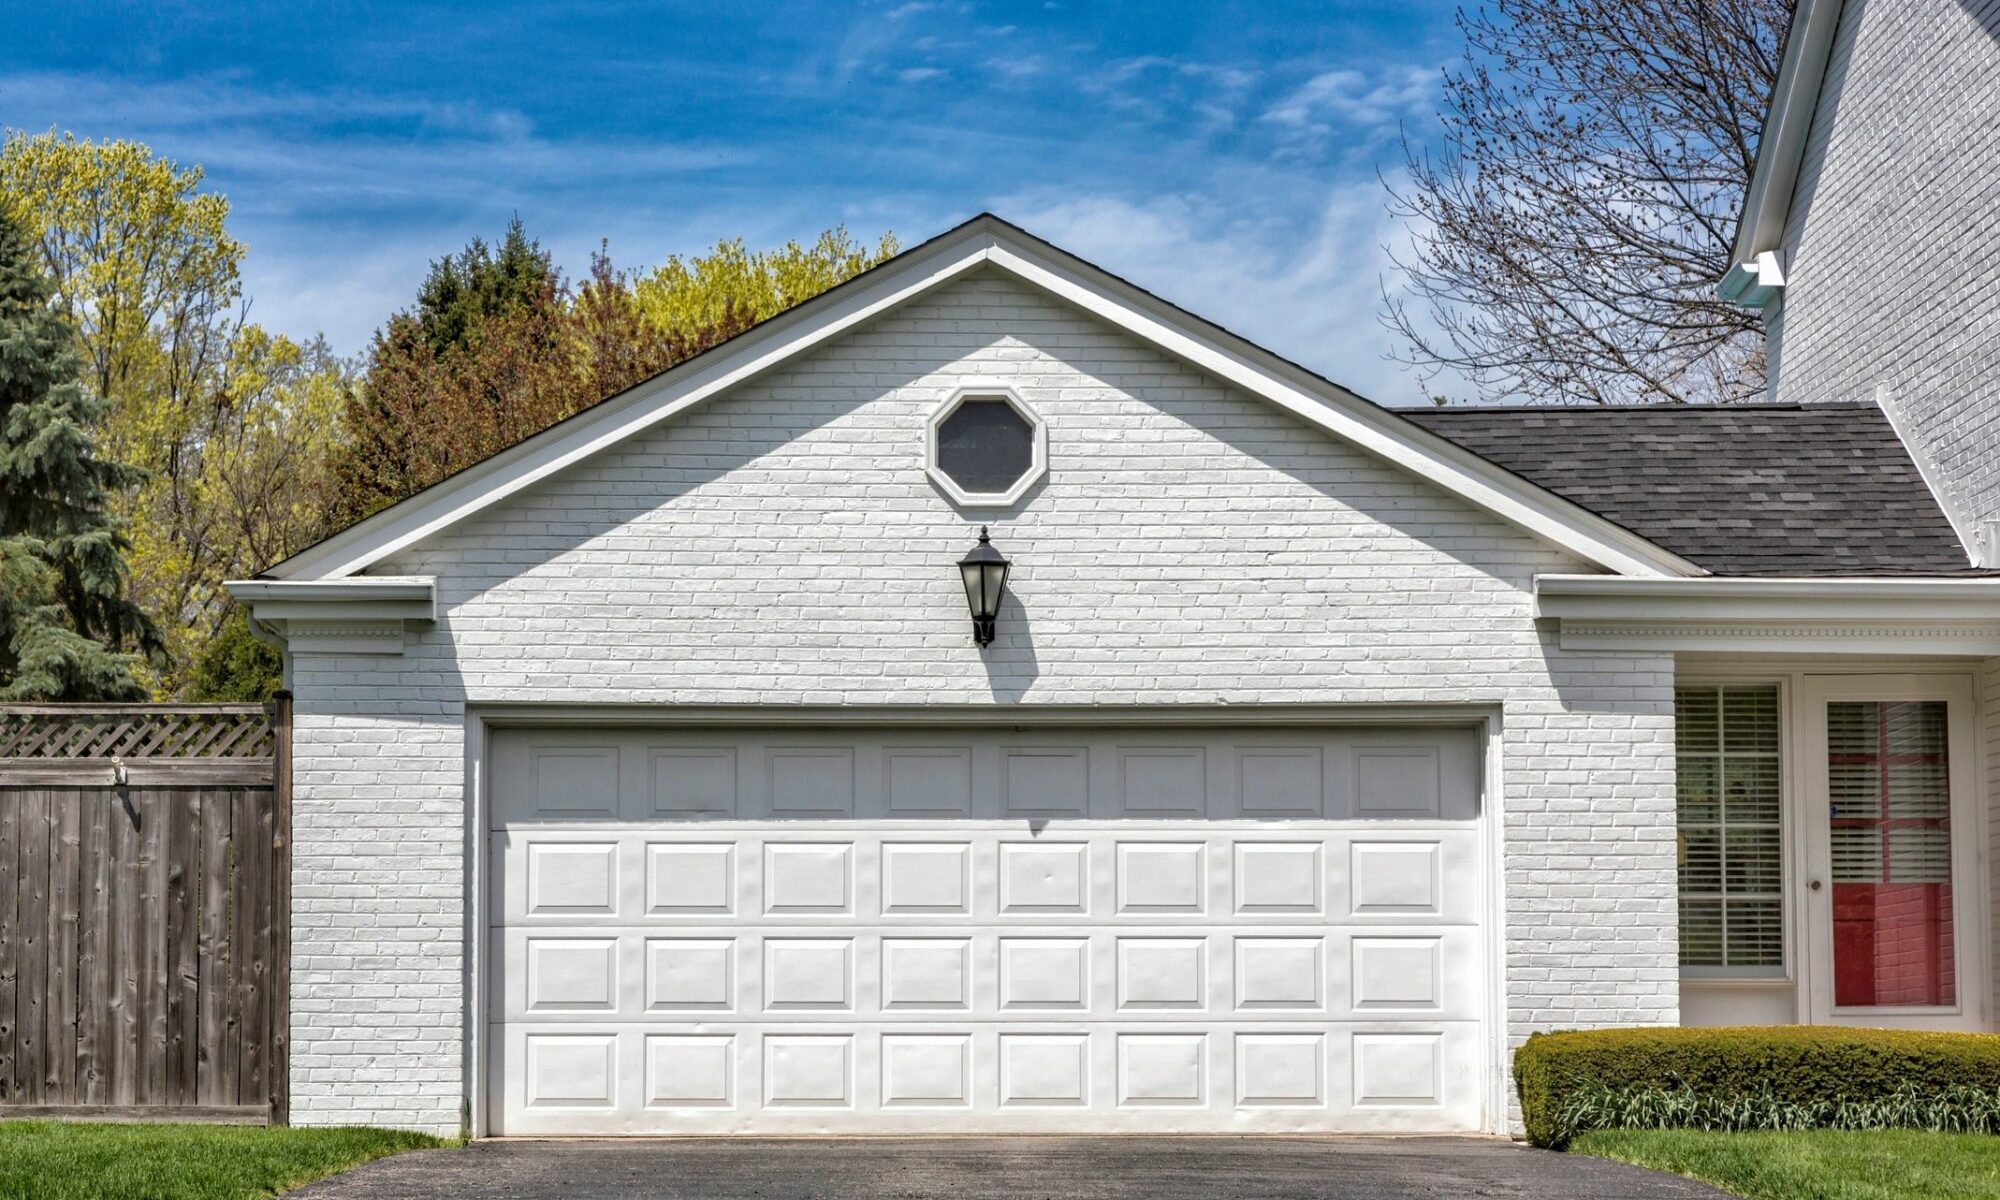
1979, 547
1931, 616
1038, 441
988, 243
1767, 202
365, 614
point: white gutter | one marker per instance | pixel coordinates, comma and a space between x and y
1924, 616
1757, 276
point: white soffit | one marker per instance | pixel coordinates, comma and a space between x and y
1818, 615
987, 241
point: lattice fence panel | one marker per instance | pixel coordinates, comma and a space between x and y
154, 731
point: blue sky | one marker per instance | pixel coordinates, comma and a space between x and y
1223, 155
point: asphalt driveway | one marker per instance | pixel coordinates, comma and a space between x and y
1016, 1168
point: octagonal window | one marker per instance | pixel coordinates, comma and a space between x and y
986, 447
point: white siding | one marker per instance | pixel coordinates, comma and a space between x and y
1892, 251
781, 546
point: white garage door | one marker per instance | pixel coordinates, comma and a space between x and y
951, 931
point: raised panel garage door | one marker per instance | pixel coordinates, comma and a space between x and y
1055, 930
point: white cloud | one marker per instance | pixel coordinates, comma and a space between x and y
921, 74
1310, 291
1314, 111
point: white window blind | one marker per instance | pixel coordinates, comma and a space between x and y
1890, 792
1729, 794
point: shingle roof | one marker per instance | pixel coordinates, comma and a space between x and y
1820, 489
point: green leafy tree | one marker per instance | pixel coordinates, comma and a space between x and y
66, 622
236, 666
226, 421
682, 297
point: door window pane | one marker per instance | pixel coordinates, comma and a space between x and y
1889, 816
1729, 791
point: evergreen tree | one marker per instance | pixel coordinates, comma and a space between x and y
65, 618
463, 290
235, 667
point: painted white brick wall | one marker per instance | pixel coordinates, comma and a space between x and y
1893, 249
782, 546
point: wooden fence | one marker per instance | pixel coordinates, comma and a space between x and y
145, 899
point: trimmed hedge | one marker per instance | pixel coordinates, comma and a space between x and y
1814, 1068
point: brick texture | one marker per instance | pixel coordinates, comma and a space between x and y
1892, 255
781, 546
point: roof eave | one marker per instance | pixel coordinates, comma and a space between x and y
1903, 616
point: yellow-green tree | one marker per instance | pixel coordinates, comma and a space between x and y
684, 296
192, 395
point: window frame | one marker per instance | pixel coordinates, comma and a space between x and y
1787, 832
987, 389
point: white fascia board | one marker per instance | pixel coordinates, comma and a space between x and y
1767, 202
401, 597
1818, 615
988, 242
1347, 416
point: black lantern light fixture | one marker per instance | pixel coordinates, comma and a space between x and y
985, 573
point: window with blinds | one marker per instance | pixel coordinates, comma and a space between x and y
1889, 824
1731, 860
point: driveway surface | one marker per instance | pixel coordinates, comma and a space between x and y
1015, 1168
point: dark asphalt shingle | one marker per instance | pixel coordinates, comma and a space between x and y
1821, 489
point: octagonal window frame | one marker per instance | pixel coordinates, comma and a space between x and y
1038, 442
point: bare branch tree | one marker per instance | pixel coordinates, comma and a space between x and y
1570, 232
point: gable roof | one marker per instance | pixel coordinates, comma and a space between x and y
1812, 490
989, 243
1781, 149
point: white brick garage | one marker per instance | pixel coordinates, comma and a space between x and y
1058, 929
1195, 553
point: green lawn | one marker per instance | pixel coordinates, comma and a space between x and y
1825, 1164
47, 1160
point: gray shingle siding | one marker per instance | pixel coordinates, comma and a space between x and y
1825, 489
1892, 251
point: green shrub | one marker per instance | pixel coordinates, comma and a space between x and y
1770, 1077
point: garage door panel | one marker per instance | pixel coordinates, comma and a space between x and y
933, 932
969, 1078
1083, 873
1144, 974
558, 776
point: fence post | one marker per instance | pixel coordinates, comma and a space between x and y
281, 873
